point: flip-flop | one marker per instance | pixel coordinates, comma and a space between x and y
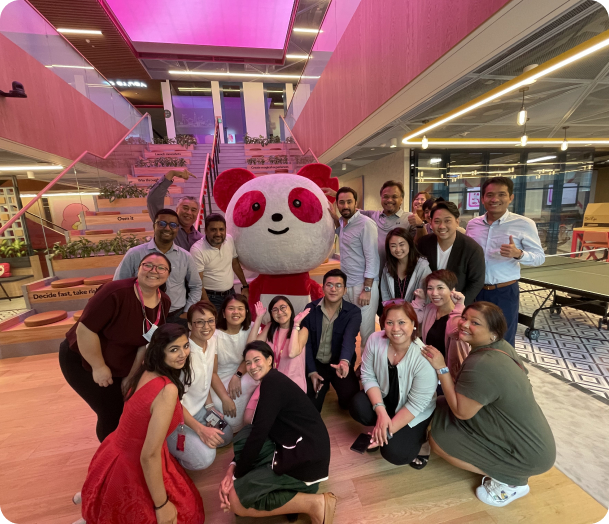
329, 507
424, 460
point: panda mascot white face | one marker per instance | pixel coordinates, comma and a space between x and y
280, 224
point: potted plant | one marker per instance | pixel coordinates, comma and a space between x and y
15, 252
116, 191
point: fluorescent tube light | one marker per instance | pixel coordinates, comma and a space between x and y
248, 75
30, 168
65, 31
541, 159
306, 30
47, 195
71, 66
297, 57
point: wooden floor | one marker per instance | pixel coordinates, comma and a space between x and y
47, 439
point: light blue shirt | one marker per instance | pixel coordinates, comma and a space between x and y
359, 256
523, 230
183, 273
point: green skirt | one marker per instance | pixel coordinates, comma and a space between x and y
261, 488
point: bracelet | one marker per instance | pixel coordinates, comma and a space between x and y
442, 371
297, 328
209, 406
156, 508
377, 405
246, 285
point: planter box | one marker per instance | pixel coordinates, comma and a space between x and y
123, 219
179, 154
169, 147
21, 266
146, 179
127, 202
156, 170
17, 261
76, 264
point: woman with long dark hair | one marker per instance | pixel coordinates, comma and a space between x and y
132, 477
283, 456
405, 268
488, 421
105, 347
285, 336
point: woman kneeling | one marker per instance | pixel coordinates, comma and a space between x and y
489, 422
399, 385
288, 435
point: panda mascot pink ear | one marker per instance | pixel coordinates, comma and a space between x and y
320, 174
227, 184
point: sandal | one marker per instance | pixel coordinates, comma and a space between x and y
329, 507
424, 460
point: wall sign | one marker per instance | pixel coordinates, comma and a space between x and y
127, 83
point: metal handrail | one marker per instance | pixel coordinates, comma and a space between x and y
296, 141
211, 170
46, 220
24, 209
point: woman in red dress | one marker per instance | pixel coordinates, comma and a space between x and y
132, 478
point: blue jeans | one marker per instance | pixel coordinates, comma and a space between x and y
196, 455
508, 299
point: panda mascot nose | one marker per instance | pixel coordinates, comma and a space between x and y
277, 217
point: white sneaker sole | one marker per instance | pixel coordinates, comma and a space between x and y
484, 496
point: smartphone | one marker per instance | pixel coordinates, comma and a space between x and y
215, 420
361, 443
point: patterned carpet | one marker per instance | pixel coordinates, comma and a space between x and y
576, 352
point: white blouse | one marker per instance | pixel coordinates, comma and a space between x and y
230, 351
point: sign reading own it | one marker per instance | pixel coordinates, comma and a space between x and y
50, 295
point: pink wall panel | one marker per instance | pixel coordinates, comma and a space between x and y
54, 117
381, 51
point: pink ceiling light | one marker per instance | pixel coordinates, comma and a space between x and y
258, 28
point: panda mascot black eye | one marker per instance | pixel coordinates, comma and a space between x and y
297, 203
256, 206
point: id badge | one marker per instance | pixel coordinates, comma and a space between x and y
148, 334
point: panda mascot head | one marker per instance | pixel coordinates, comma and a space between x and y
280, 223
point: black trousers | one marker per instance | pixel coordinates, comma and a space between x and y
174, 318
345, 388
218, 300
107, 403
405, 444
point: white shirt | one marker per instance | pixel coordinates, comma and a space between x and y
443, 257
359, 256
230, 351
523, 230
215, 263
202, 365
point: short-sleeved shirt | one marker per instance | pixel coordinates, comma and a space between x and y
215, 263
115, 314
202, 365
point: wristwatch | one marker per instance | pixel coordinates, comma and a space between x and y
246, 285
442, 371
367, 289
239, 374
421, 226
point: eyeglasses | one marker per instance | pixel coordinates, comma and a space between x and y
283, 309
147, 266
164, 224
201, 323
331, 285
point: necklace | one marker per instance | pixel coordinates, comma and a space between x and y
395, 354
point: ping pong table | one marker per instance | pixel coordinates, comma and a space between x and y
585, 284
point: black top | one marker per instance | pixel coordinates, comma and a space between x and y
436, 336
288, 417
344, 331
393, 394
466, 260
400, 286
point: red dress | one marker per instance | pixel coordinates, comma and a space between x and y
115, 491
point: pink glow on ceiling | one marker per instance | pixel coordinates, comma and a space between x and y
259, 24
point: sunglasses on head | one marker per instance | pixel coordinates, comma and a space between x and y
393, 302
164, 224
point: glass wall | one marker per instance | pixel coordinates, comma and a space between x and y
193, 110
21, 24
233, 112
552, 189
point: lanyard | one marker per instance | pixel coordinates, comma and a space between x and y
278, 356
158, 313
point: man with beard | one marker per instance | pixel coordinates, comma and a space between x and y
359, 258
183, 275
216, 259
187, 208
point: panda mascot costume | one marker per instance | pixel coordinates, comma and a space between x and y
282, 229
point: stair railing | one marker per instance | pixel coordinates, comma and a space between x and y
211, 172
303, 154
34, 200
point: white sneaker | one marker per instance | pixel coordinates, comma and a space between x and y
495, 493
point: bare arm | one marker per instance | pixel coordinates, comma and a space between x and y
228, 406
162, 410
298, 340
90, 349
139, 358
238, 270
203, 292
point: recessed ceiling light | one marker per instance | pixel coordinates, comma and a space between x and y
306, 30
346, 160
66, 31
248, 75
394, 142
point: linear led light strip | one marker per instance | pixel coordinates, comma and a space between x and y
78, 31
208, 89
578, 52
46, 195
514, 142
248, 75
29, 168
72, 66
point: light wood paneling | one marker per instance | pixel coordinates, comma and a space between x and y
47, 439
384, 48
74, 264
104, 203
20, 333
109, 236
122, 219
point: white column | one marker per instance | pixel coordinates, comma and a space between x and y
168, 106
255, 114
289, 93
215, 94
407, 200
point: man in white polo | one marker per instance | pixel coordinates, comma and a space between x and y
217, 262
